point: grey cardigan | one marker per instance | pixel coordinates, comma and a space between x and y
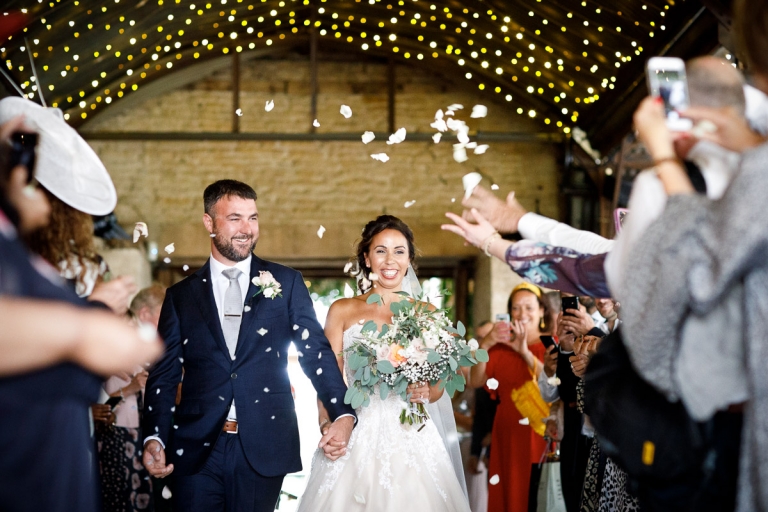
698, 256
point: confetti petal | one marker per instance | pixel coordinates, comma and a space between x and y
239, 112
321, 231
494, 480
449, 112
439, 125
295, 327
180, 452
463, 136
470, 181
368, 137
246, 308
346, 111
170, 248
453, 199
348, 291
553, 381
439, 114
269, 106
479, 111
524, 421
408, 204
460, 153
209, 444
436, 137
359, 499
455, 106
140, 229
381, 157
269, 349
316, 124
333, 400
471, 145
494, 187
397, 137
492, 383
266, 390
482, 148
167, 260
167, 493
185, 268
262, 331
305, 334
319, 371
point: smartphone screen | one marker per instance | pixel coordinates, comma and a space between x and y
569, 303
113, 401
502, 317
667, 80
548, 341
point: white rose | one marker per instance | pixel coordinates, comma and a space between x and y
382, 353
473, 344
256, 281
269, 292
430, 340
266, 278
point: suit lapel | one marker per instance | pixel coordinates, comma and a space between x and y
252, 304
207, 304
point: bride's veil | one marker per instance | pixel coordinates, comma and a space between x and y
441, 412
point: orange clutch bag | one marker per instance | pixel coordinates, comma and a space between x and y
529, 403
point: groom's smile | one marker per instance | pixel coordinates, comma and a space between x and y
234, 228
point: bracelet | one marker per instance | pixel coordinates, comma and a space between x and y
324, 422
657, 163
488, 241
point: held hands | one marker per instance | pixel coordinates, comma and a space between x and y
419, 392
503, 216
335, 439
154, 460
582, 352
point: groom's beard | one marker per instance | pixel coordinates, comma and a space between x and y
227, 248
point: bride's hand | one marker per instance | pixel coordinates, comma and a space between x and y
419, 392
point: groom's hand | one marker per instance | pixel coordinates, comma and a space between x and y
154, 460
334, 442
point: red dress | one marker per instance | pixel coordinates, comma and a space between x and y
514, 447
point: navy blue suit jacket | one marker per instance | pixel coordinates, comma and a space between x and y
257, 378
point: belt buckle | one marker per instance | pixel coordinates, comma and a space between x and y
237, 427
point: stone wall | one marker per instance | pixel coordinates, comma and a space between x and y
305, 184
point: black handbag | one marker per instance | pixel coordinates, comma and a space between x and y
649, 437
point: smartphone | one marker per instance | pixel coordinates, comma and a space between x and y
548, 341
667, 80
113, 401
23, 146
619, 214
569, 303
502, 317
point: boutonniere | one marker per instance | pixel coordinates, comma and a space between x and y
268, 285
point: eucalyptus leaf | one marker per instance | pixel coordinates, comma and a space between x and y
384, 330
461, 329
384, 390
481, 355
464, 350
349, 395
452, 362
465, 361
358, 400
404, 294
433, 356
367, 374
375, 297
385, 367
370, 326
366, 401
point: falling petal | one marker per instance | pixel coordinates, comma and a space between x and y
319, 371
408, 204
180, 452
269, 106
209, 444
453, 199
381, 157
397, 137
319, 355
273, 417
463, 137
439, 114
212, 235
348, 291
300, 353
368, 137
460, 153
471, 145
359, 499
266, 390
492, 383
221, 398
185, 268
316, 124
269, 349
361, 321
307, 346
305, 334
470, 181
455, 106
262, 331
524, 421
321, 231
158, 391
295, 327
185, 341
494, 480
167, 493
494, 187
436, 137
479, 111
346, 111
170, 248
482, 148
439, 125
167, 260
239, 112
553, 381
449, 112
140, 230
246, 308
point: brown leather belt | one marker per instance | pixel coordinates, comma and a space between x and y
230, 427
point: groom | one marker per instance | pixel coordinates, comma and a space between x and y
234, 436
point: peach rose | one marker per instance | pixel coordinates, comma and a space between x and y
397, 355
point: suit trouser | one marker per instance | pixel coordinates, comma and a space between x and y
574, 455
227, 483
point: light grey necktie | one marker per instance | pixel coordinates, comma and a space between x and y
233, 310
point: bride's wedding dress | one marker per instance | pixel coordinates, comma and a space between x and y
387, 467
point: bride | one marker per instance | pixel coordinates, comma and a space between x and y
387, 466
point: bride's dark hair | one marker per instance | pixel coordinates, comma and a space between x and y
372, 229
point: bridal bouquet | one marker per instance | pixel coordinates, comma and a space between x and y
419, 346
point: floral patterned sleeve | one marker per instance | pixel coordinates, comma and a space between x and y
559, 268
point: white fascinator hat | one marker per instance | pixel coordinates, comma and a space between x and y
66, 164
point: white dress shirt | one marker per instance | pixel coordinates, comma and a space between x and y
220, 283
